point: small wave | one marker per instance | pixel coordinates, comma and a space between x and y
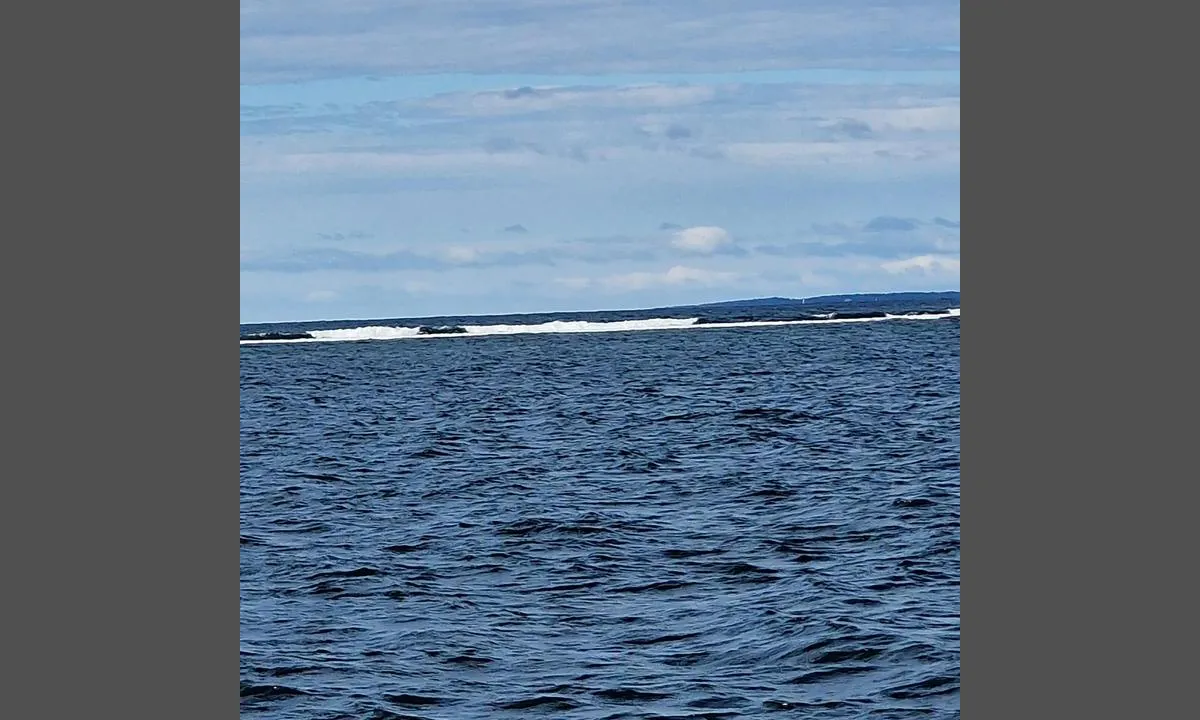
938, 685
820, 676
385, 332
269, 692
660, 639
409, 700
541, 702
356, 573
629, 695
469, 660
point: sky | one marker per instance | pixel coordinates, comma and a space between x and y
413, 158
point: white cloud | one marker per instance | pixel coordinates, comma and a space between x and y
461, 254
944, 117
677, 275
321, 296
923, 263
703, 239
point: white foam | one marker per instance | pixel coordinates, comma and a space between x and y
371, 332
582, 326
384, 332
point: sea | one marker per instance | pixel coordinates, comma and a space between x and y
727, 511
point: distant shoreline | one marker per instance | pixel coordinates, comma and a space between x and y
848, 297
952, 296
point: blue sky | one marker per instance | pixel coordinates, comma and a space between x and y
491, 156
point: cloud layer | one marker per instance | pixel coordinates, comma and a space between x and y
295, 40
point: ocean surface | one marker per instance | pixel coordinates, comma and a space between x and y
748, 516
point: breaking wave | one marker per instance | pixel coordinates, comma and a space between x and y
385, 332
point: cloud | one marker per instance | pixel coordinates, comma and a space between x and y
504, 144
495, 257
923, 263
622, 111
861, 153
885, 223
511, 145
574, 283
856, 129
296, 40
670, 226
707, 153
518, 229
549, 99
612, 249
324, 259
943, 116
461, 254
675, 131
260, 112
783, 126
889, 249
885, 238
676, 275
340, 237
379, 162
701, 239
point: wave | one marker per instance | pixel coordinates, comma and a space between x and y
386, 332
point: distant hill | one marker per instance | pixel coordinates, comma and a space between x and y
949, 296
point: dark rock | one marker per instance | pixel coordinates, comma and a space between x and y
278, 336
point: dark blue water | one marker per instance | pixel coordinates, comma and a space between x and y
727, 522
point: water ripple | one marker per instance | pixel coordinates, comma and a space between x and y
729, 523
